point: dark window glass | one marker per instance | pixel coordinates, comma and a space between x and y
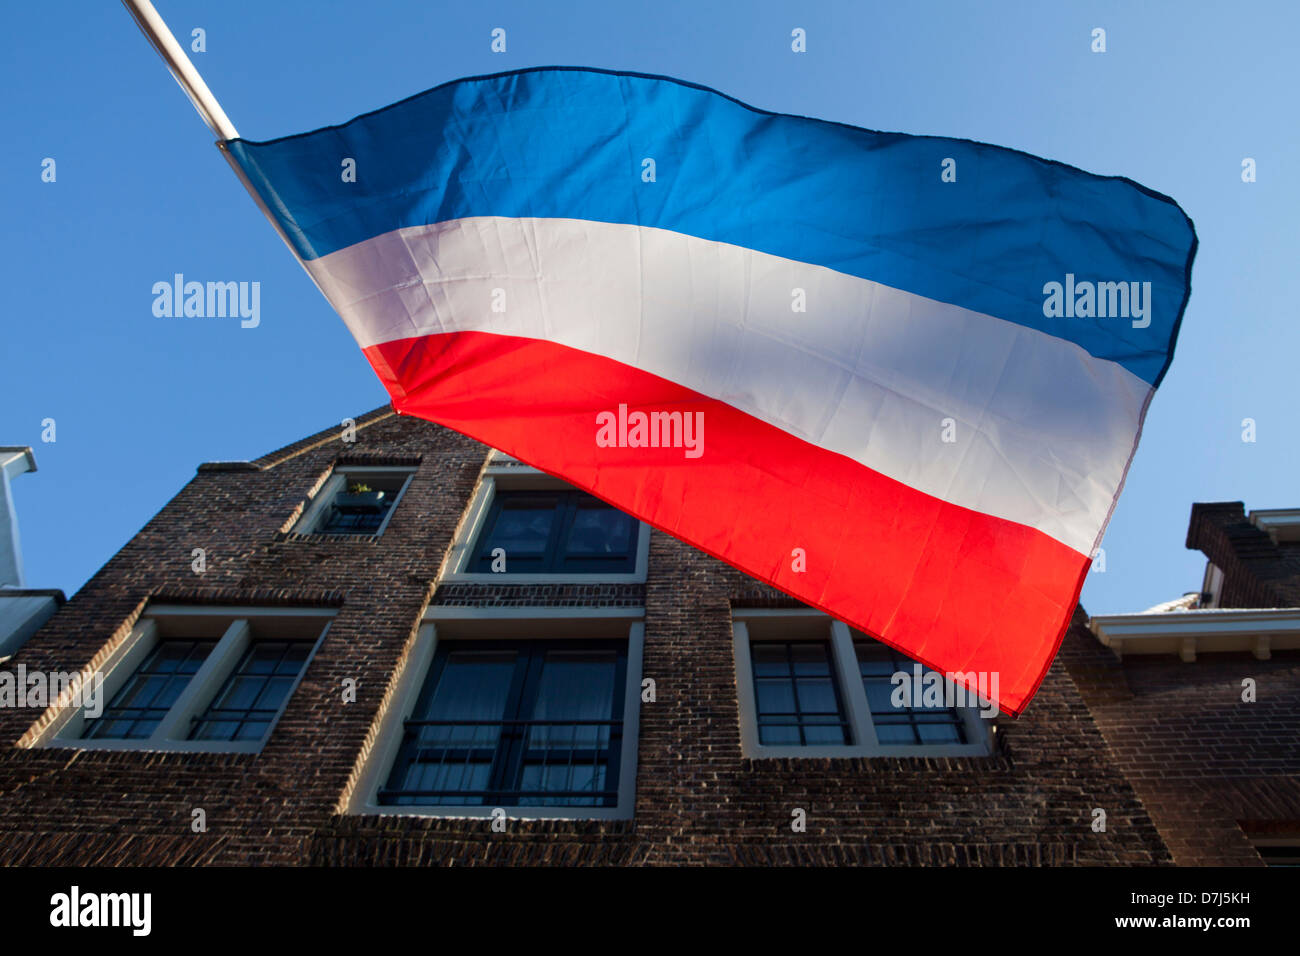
362, 504
797, 698
251, 696
535, 723
140, 705
556, 532
878, 663
1280, 855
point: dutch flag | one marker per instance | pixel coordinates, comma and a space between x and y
900, 378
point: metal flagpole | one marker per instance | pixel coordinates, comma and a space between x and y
153, 27
158, 34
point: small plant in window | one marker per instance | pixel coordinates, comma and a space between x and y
358, 498
357, 503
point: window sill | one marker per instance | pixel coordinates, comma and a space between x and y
325, 537
161, 746
485, 812
504, 577
911, 751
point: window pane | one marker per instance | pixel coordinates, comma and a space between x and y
810, 659
574, 686
468, 777
252, 695
179, 657
944, 733
474, 686
775, 696
147, 695
816, 735
457, 730
217, 730
778, 735
570, 782
240, 693
769, 660
895, 734
144, 689
599, 529
817, 697
567, 744
909, 723
531, 723
556, 532
520, 530
795, 694
879, 696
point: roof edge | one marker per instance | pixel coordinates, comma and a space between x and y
324, 436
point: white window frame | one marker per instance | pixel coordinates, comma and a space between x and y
337, 482
517, 477
844, 666
1211, 586
169, 735
521, 623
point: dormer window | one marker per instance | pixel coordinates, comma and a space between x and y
355, 501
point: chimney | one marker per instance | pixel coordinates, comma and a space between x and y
15, 460
22, 611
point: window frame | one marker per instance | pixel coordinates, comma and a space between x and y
842, 712
497, 474
314, 515
565, 506
171, 733
243, 715
844, 668
462, 624
507, 756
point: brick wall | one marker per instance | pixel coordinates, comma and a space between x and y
1211, 769
698, 799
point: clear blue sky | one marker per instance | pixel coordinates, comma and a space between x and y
1183, 93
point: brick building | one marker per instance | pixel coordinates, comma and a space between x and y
396, 646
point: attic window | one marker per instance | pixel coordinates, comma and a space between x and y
356, 501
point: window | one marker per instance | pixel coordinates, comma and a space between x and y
196, 678
531, 710
136, 710
355, 501
531, 722
253, 694
796, 698
809, 686
536, 529
897, 724
555, 531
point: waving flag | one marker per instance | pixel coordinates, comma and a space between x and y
900, 378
